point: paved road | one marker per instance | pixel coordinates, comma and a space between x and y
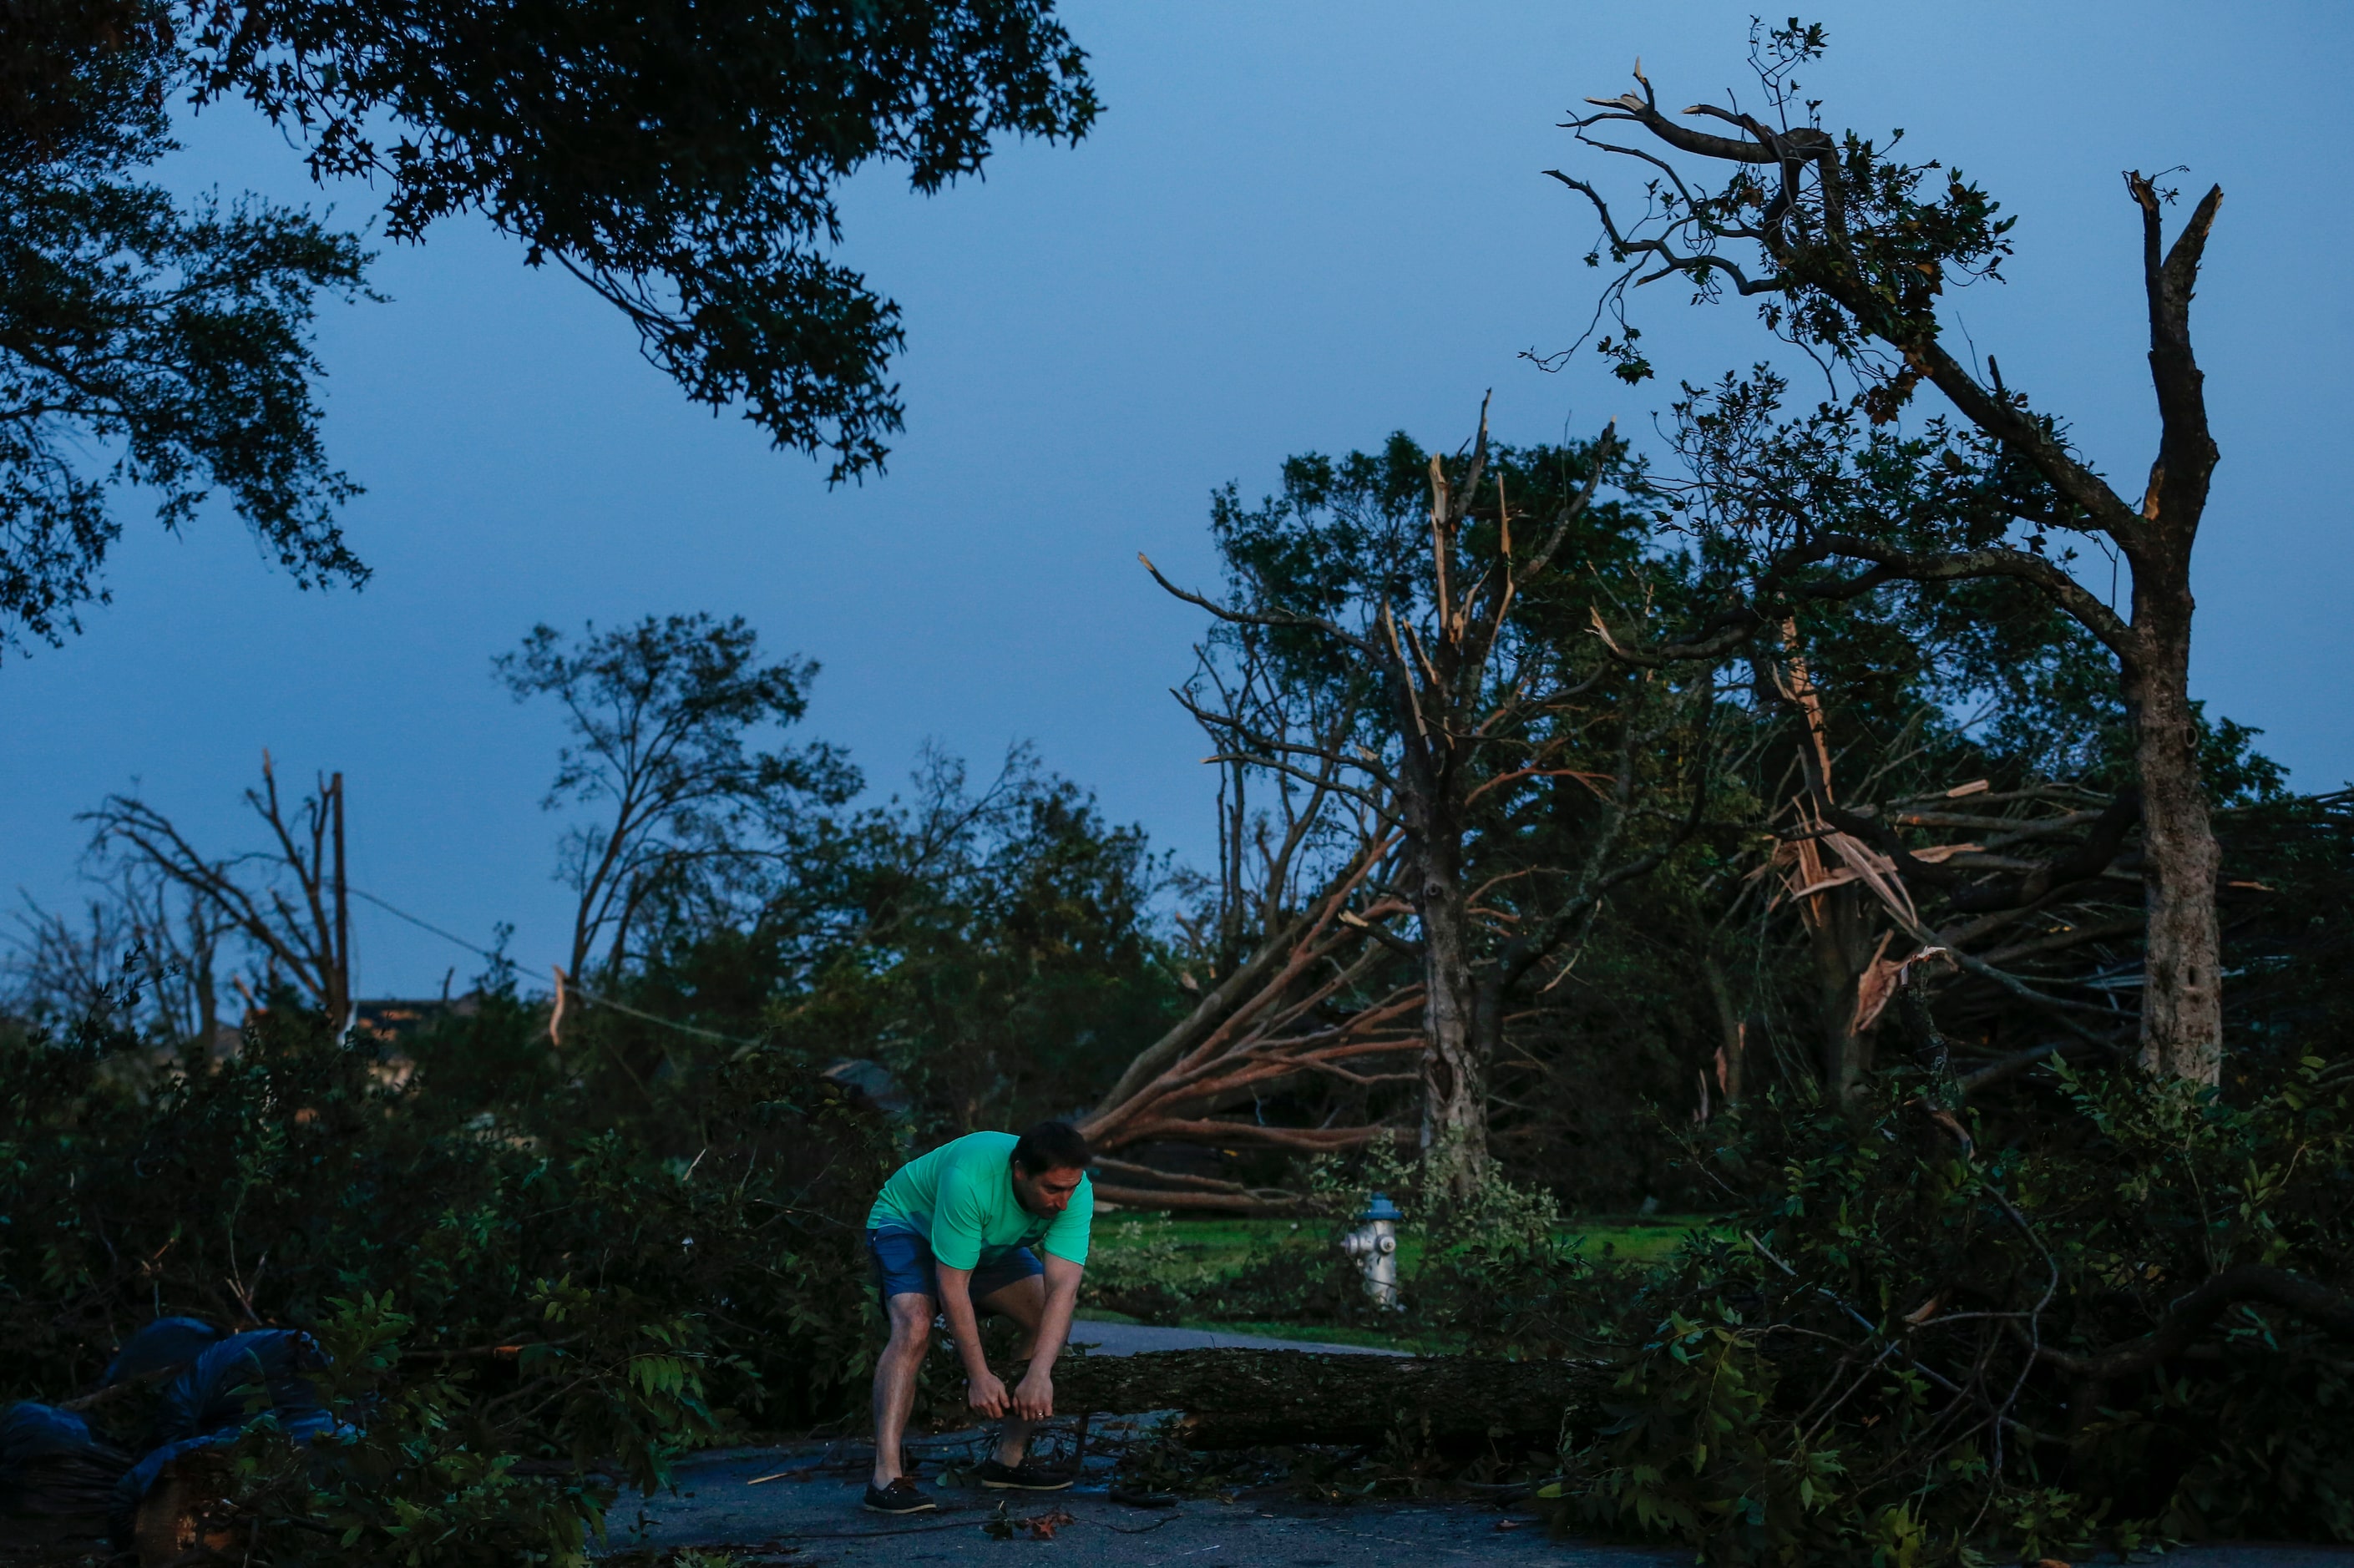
814, 1518
787, 1506
818, 1520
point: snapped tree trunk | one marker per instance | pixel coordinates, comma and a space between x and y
1450, 732
1838, 932
1454, 1073
2182, 989
1838, 920
1240, 1399
2182, 995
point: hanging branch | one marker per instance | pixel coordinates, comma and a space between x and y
1850, 254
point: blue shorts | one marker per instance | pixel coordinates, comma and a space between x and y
903, 1264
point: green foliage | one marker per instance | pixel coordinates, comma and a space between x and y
682, 161
663, 719
993, 946
408, 1483
1925, 1336
1344, 536
1698, 1459
142, 343
513, 1299
1925, 1346
1846, 263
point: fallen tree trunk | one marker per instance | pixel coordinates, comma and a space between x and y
1190, 1198
1240, 1399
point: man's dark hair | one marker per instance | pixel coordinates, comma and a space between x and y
1051, 1146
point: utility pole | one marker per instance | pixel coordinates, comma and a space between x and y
343, 957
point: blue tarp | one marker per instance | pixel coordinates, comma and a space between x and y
161, 1346
51, 1464
220, 1383
243, 1375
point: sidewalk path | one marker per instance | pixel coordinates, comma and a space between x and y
1128, 1338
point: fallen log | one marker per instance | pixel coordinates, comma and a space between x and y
1241, 1399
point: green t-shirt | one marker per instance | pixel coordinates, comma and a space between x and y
960, 1197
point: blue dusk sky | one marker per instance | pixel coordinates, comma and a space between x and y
1296, 226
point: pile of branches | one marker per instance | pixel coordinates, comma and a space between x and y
515, 1313
2127, 1319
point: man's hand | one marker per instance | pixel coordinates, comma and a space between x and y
1033, 1398
985, 1392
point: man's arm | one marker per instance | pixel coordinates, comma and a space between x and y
984, 1390
1033, 1400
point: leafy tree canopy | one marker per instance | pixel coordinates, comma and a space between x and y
663, 717
142, 341
682, 161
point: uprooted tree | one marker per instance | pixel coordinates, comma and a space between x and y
1849, 251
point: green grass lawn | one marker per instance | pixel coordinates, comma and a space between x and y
1220, 1246
1189, 1252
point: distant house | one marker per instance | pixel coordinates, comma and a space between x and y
389, 1026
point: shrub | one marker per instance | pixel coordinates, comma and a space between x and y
1945, 1332
522, 1313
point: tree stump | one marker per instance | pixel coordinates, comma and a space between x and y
183, 1518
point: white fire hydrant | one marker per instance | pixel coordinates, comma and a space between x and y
1374, 1245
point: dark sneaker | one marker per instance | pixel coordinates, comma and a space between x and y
902, 1496
1023, 1478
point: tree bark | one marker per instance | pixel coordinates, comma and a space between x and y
1839, 919
2182, 992
1839, 935
1454, 1072
1239, 1399
1732, 1028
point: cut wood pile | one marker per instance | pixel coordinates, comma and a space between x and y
1248, 1398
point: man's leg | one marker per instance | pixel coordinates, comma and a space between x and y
894, 1378
1024, 1301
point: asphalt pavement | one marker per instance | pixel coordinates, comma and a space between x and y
813, 1516
798, 1506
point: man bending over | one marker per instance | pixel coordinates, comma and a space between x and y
952, 1233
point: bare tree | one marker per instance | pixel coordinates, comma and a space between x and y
1848, 257
59, 971
1460, 707
288, 903
147, 949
